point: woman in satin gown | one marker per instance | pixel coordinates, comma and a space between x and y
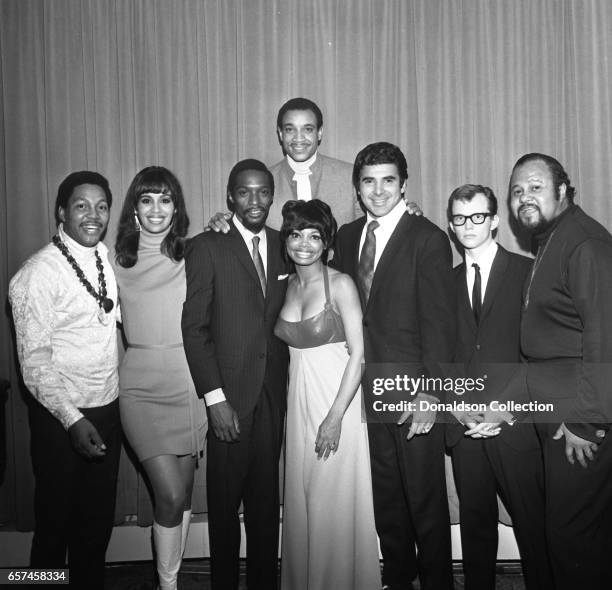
329, 538
162, 417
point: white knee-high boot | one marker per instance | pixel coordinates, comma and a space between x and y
185, 531
168, 548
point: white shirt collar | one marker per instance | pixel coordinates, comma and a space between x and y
302, 167
485, 258
386, 227
247, 235
388, 222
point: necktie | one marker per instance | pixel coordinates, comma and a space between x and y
259, 267
477, 293
365, 270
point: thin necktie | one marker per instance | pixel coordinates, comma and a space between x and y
477, 294
365, 270
259, 267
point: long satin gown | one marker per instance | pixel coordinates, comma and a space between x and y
329, 537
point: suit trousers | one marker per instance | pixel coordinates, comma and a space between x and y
483, 468
578, 514
411, 506
246, 471
74, 498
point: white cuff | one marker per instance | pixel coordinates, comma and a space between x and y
214, 397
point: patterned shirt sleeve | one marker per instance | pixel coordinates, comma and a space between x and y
31, 296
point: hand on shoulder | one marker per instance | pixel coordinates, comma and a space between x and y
219, 222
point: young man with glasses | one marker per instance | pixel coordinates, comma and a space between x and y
492, 452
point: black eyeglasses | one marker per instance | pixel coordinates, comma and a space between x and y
475, 218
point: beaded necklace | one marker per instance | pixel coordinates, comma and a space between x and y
536, 263
100, 296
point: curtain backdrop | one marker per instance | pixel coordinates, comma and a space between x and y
464, 87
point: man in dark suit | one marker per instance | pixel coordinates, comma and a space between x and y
499, 454
566, 329
235, 289
402, 266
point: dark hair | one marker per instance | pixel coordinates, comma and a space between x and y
67, 186
558, 173
381, 152
467, 192
153, 179
299, 104
248, 164
314, 214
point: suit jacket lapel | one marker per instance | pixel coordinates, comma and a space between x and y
315, 177
274, 267
288, 174
496, 277
352, 262
237, 244
398, 237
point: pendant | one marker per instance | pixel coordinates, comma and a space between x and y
107, 304
103, 317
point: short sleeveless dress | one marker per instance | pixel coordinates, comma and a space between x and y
160, 411
329, 537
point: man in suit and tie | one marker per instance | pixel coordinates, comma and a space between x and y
499, 454
235, 289
403, 268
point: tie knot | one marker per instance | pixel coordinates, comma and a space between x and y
256, 241
476, 267
372, 226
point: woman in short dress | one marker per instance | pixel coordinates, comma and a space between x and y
162, 417
329, 536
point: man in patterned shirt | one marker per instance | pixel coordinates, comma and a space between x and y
64, 302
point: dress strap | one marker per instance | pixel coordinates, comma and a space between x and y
328, 304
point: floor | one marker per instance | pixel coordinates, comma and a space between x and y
195, 575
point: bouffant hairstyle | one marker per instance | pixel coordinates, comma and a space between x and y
314, 214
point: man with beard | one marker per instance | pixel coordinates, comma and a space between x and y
235, 288
566, 337
64, 306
